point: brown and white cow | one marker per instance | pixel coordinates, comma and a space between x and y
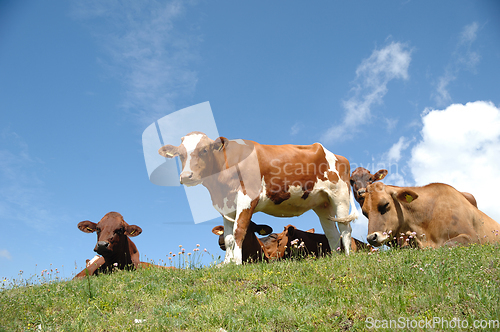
244, 177
435, 215
252, 247
113, 244
360, 178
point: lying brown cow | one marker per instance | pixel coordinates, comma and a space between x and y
252, 247
435, 215
283, 245
361, 178
113, 244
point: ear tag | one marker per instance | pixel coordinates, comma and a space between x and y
220, 148
262, 232
380, 176
220, 232
132, 233
169, 154
409, 198
89, 229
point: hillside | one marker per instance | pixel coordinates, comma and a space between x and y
335, 293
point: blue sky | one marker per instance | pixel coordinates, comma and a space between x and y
411, 86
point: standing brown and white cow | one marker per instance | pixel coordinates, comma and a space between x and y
244, 177
433, 215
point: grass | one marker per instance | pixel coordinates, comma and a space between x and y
335, 293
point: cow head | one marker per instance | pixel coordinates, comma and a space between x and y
112, 232
252, 228
361, 178
200, 157
384, 207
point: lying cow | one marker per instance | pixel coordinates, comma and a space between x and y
308, 243
361, 178
113, 244
434, 215
252, 247
283, 245
244, 177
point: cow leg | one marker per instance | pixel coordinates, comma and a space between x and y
340, 209
228, 239
329, 227
462, 239
244, 210
345, 233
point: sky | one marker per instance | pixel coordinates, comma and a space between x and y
410, 86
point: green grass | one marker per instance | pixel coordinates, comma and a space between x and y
335, 293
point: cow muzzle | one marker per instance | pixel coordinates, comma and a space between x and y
102, 247
377, 239
188, 180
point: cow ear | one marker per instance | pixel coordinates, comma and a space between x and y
310, 230
133, 230
218, 230
263, 229
379, 175
219, 143
169, 151
87, 226
407, 196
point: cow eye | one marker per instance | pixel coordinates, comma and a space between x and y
98, 230
383, 208
119, 231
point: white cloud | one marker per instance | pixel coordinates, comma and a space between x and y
463, 58
460, 146
370, 86
5, 254
147, 53
394, 153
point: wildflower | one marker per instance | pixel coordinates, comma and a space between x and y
183, 250
197, 245
173, 255
114, 264
170, 253
189, 254
205, 250
180, 245
180, 253
338, 248
294, 242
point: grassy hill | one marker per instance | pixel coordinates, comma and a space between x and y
459, 286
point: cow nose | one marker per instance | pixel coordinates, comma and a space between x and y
372, 239
186, 176
101, 245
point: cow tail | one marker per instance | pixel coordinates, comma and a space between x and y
352, 216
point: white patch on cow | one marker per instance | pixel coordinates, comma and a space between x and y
239, 141
225, 210
93, 260
332, 161
190, 142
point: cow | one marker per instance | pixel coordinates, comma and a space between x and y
252, 247
114, 246
285, 244
434, 215
360, 178
293, 240
244, 177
